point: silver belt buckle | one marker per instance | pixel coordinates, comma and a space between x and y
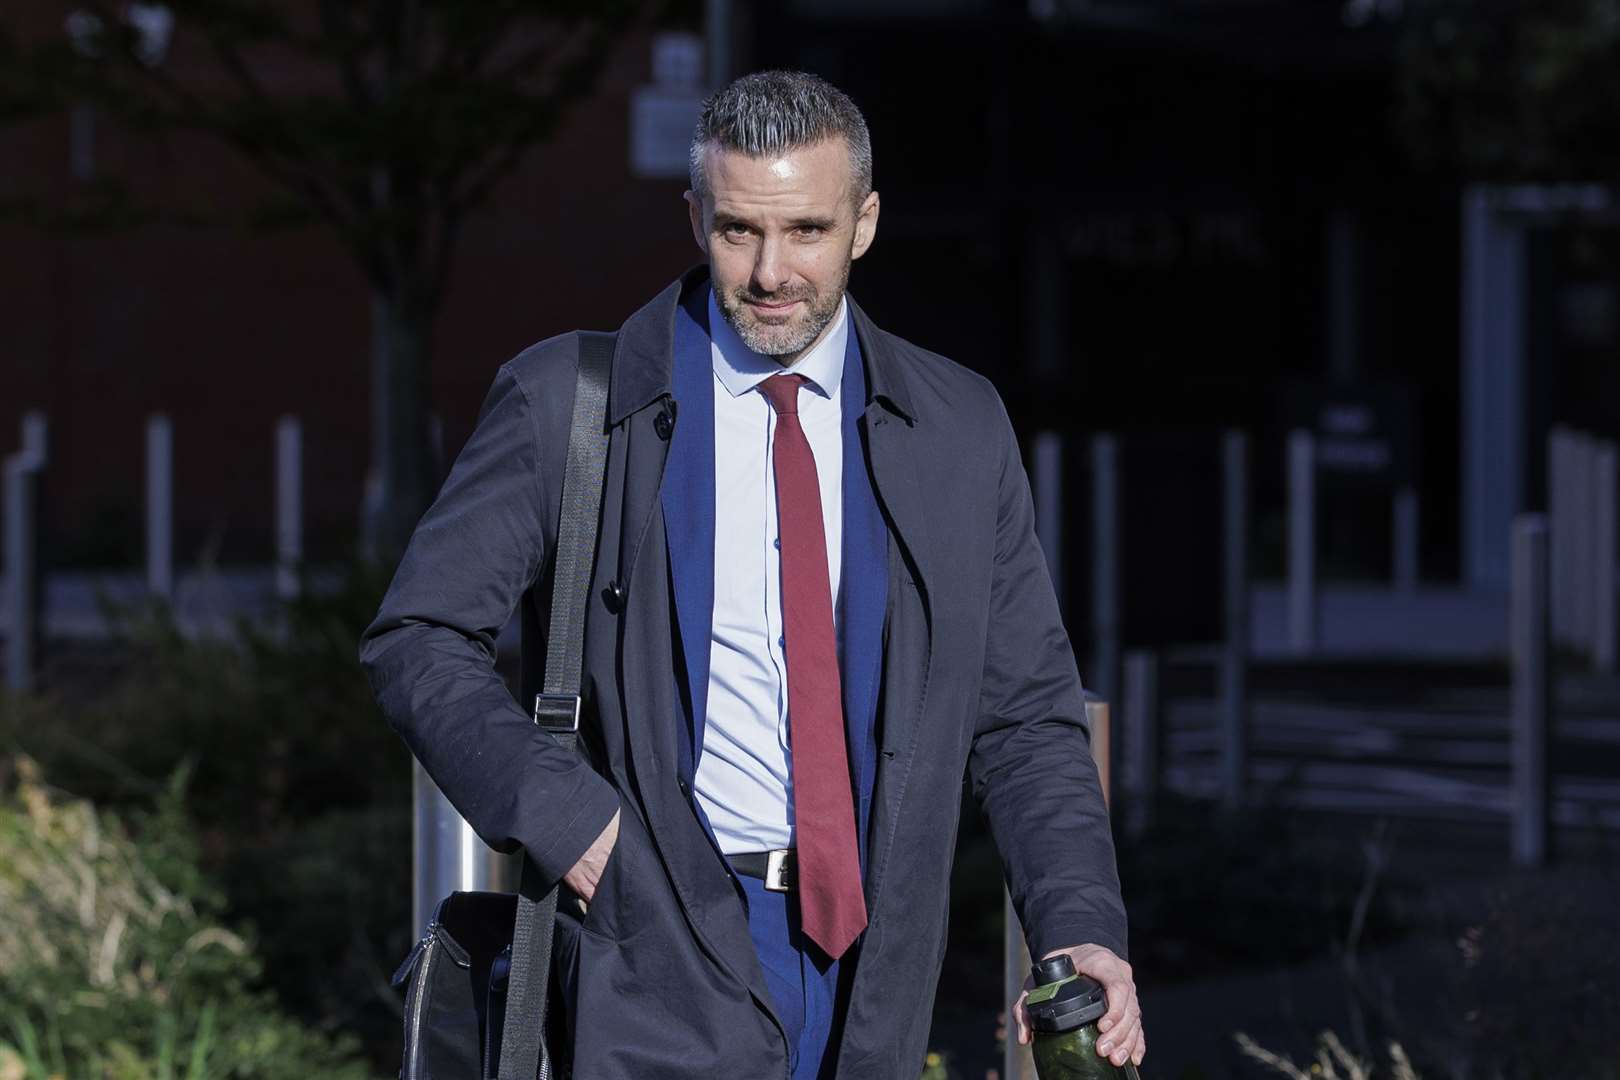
779, 870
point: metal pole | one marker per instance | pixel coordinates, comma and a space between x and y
22, 471
1142, 738
289, 505
1016, 1062
717, 36
35, 435
1561, 531
1302, 613
436, 444
1582, 550
447, 855
1105, 564
1234, 673
1406, 540
160, 506
1604, 614
1048, 494
1048, 455
1531, 689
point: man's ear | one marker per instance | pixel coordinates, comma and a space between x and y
694, 210
865, 226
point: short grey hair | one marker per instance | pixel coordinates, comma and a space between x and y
773, 112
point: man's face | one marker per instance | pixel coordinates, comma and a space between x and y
780, 233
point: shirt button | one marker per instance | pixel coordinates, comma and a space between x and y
778, 543
782, 642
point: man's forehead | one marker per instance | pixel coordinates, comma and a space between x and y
819, 170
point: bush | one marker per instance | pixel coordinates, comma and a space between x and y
298, 792
114, 963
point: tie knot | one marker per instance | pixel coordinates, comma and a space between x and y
782, 391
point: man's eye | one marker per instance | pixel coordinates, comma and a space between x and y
734, 230
811, 230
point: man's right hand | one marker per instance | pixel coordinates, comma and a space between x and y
588, 871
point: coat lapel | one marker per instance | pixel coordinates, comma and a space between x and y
895, 449
863, 590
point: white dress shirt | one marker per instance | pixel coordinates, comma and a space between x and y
743, 781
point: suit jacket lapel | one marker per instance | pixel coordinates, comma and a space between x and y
688, 502
863, 589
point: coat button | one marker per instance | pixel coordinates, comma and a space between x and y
664, 422
613, 597
686, 789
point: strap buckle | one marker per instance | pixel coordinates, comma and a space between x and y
557, 713
781, 870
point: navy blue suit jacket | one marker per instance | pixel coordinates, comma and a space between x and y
688, 499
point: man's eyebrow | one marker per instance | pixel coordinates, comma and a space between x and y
722, 218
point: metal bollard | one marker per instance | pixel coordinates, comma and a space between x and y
289, 505
1531, 689
447, 855
160, 506
22, 472
1302, 614
1234, 672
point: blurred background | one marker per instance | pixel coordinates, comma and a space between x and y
1307, 312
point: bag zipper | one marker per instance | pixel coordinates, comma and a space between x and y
413, 1006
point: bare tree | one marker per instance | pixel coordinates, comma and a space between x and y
385, 121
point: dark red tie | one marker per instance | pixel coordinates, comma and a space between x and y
829, 879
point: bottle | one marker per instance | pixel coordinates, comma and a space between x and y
1064, 1009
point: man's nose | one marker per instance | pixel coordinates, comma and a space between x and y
770, 269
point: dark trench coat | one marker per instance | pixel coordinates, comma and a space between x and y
978, 679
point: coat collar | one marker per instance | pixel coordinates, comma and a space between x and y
643, 356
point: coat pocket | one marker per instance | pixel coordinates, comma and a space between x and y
613, 912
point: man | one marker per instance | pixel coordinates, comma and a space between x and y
817, 601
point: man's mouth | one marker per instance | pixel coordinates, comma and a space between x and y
772, 308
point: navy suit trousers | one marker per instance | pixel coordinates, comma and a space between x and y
805, 987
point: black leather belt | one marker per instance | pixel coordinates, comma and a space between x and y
778, 869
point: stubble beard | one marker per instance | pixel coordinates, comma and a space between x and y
783, 342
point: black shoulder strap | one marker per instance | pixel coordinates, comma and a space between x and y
557, 707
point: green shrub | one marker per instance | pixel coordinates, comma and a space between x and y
114, 963
298, 791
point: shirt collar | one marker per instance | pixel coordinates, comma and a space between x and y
740, 368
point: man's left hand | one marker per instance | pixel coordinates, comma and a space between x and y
1120, 1033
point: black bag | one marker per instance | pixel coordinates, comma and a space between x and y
483, 967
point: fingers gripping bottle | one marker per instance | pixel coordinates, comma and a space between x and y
1064, 1009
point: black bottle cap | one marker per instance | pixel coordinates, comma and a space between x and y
1078, 1002
1053, 969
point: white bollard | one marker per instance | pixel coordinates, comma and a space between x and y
1605, 617
289, 505
1302, 613
160, 506
1105, 565
1234, 673
1531, 689
1406, 540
